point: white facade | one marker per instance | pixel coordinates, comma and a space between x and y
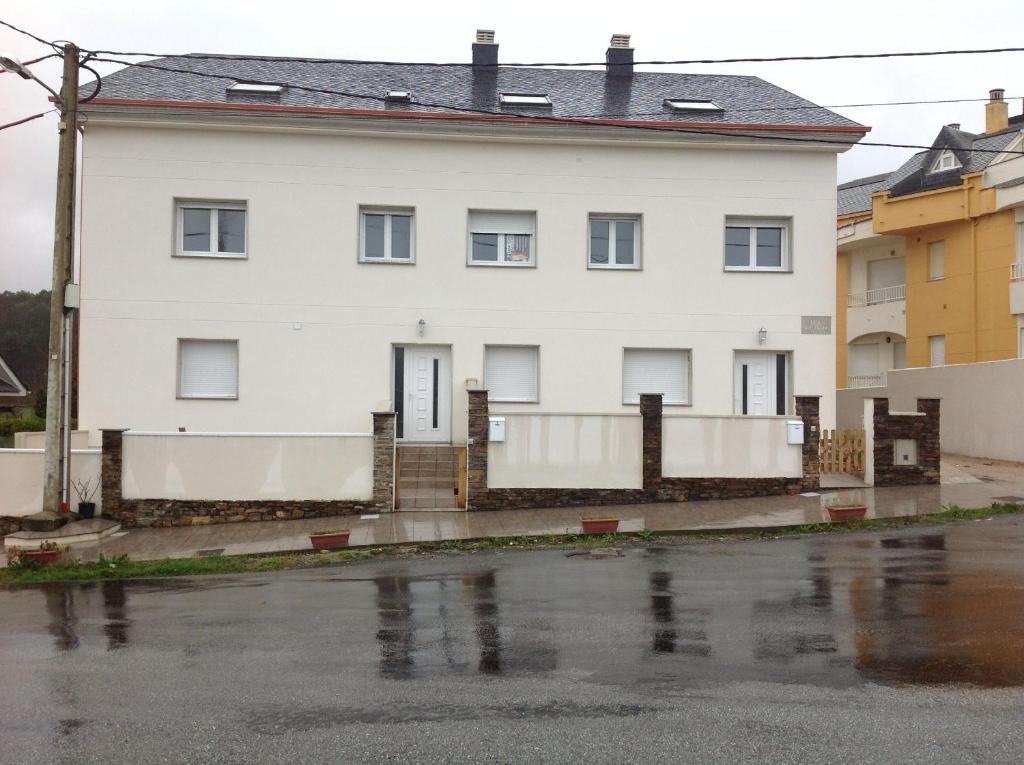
316, 327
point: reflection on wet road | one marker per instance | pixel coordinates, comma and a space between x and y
514, 639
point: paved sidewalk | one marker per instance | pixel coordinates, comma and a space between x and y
407, 527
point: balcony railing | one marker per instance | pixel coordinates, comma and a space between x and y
866, 381
1017, 271
892, 294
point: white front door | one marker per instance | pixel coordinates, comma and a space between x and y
758, 376
425, 398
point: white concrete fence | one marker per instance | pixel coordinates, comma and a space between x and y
247, 466
728, 447
21, 479
567, 451
586, 451
982, 415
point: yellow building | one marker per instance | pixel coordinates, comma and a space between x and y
930, 256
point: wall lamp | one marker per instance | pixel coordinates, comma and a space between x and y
421, 327
762, 336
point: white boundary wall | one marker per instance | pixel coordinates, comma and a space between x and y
21, 478
567, 451
728, 447
982, 411
247, 466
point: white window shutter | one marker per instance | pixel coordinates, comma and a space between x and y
486, 222
510, 372
646, 370
209, 369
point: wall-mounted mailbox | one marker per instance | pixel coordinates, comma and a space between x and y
496, 430
794, 431
905, 451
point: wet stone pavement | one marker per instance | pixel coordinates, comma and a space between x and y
870, 647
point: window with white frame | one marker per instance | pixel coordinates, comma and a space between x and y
499, 238
936, 260
211, 229
656, 370
614, 241
936, 350
207, 368
757, 244
945, 161
511, 372
386, 236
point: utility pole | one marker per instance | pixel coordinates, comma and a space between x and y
63, 264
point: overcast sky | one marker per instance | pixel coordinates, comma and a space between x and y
527, 30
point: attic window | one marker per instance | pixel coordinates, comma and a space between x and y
525, 99
257, 88
946, 161
398, 96
684, 105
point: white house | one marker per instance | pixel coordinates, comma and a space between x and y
291, 256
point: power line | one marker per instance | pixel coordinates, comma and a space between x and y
547, 118
27, 34
537, 64
23, 120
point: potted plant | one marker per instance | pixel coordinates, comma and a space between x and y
327, 540
852, 511
85, 491
600, 525
47, 554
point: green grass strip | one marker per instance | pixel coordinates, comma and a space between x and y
124, 568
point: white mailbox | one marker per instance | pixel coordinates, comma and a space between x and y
794, 431
496, 431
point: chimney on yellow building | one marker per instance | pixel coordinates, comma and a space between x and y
997, 112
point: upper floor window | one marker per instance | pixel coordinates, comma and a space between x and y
945, 161
208, 369
211, 229
758, 244
614, 241
386, 236
936, 260
501, 238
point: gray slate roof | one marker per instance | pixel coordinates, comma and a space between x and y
574, 92
975, 152
855, 196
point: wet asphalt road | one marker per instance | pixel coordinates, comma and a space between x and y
869, 648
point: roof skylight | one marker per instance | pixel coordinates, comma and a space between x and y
687, 105
398, 96
259, 88
525, 99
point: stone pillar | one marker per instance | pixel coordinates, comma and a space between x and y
111, 469
807, 409
923, 427
384, 461
476, 446
929, 446
651, 411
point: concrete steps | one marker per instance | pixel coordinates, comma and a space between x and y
427, 477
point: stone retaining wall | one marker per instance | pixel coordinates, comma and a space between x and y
656, 487
182, 512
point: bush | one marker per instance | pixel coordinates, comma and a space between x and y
10, 426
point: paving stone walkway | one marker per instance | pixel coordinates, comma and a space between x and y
960, 488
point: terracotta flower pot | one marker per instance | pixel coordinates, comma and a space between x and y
843, 513
329, 541
600, 525
45, 557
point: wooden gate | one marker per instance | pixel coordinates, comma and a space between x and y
842, 451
